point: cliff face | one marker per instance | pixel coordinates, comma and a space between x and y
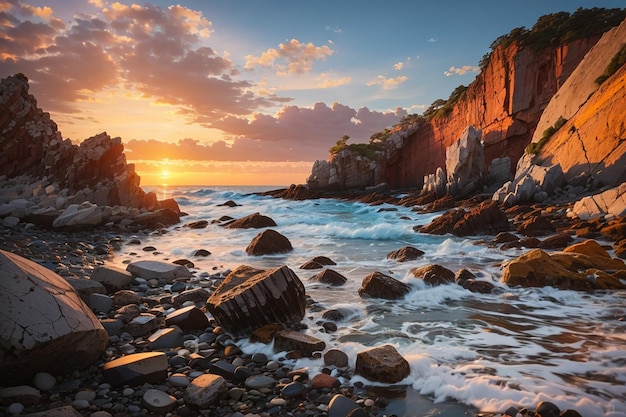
505, 101
30, 144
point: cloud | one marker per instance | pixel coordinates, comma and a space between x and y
292, 57
432, 40
387, 83
138, 48
461, 71
293, 134
398, 66
329, 80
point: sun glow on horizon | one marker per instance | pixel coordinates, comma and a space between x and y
174, 172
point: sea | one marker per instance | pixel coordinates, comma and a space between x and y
469, 353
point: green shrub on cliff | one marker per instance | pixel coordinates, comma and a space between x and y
443, 108
534, 147
616, 63
367, 150
559, 28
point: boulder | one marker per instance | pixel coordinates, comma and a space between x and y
268, 242
136, 369
536, 226
443, 224
330, 277
188, 318
253, 221
195, 295
45, 325
242, 304
205, 390
79, 216
499, 170
157, 219
158, 270
111, 277
382, 364
290, 340
335, 357
486, 219
434, 274
342, 406
407, 253
583, 267
379, 285
467, 280
609, 204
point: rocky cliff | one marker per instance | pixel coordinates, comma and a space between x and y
591, 145
505, 102
31, 145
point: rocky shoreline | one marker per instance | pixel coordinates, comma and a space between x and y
135, 313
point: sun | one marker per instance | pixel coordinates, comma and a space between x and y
164, 174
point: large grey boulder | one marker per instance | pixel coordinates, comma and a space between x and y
44, 324
610, 203
78, 216
249, 299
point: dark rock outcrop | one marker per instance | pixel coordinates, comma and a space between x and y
253, 221
243, 304
330, 277
407, 253
95, 170
433, 274
382, 364
379, 285
268, 242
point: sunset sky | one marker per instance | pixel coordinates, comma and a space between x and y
233, 92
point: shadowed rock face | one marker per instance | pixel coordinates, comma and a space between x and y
272, 296
31, 144
44, 325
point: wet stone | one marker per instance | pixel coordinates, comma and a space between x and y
260, 381
224, 369
294, 390
341, 406
188, 318
136, 369
205, 390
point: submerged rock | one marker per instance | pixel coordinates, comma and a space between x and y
382, 364
253, 221
268, 242
330, 277
45, 325
379, 285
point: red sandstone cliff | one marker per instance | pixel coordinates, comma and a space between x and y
505, 101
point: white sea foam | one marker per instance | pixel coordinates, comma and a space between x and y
515, 347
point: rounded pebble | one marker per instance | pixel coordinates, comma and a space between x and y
80, 404
15, 408
85, 395
44, 381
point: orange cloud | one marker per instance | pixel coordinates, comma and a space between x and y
292, 57
387, 83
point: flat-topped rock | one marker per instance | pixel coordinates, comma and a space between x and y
159, 270
112, 277
306, 345
253, 221
188, 318
136, 369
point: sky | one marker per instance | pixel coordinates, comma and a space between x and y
234, 92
